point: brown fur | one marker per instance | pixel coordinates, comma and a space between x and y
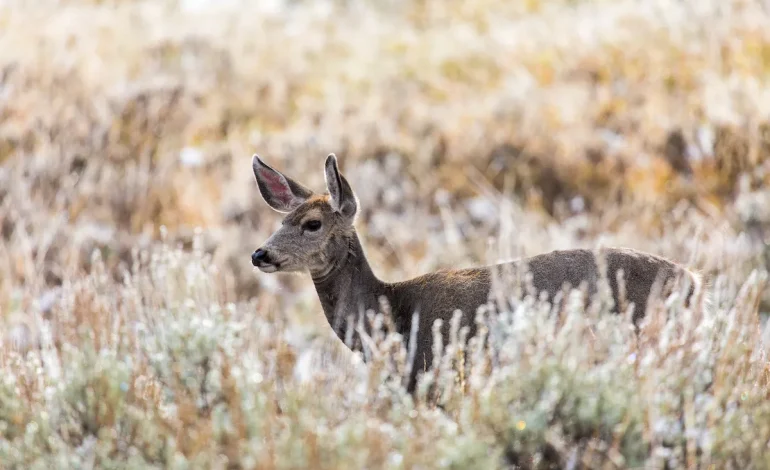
346, 284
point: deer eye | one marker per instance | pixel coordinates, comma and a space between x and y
311, 225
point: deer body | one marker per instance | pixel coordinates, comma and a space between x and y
318, 236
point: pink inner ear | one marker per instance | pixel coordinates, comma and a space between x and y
277, 186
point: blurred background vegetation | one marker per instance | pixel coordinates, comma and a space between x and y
470, 129
593, 117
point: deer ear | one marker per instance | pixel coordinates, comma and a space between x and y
279, 191
343, 199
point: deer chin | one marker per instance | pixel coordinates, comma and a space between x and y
282, 265
268, 268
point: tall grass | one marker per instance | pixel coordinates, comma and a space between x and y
159, 371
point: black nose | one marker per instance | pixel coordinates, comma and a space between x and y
257, 256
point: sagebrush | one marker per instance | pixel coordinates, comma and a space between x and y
136, 334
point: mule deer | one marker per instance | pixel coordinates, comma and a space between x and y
317, 236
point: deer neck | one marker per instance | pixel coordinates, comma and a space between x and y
348, 287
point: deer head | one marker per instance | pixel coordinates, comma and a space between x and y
316, 230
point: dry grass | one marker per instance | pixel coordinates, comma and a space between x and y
540, 124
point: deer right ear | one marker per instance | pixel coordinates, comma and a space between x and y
280, 192
341, 196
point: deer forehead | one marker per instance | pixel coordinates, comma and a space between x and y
316, 207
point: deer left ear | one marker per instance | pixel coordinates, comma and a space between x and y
342, 197
279, 191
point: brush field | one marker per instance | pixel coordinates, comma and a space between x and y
134, 332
